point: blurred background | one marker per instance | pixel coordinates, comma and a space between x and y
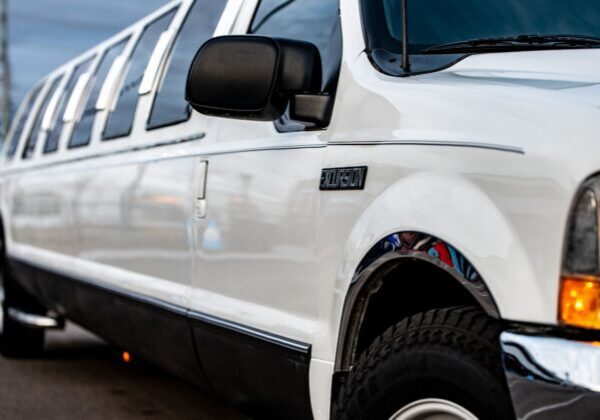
37, 36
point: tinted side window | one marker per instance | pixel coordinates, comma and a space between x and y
35, 131
14, 141
170, 106
120, 120
82, 132
314, 21
55, 132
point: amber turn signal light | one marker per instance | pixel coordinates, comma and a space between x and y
126, 356
580, 301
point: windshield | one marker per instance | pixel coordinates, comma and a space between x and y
437, 22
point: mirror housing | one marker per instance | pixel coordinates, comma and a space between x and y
252, 77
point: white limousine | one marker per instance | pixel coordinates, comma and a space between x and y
376, 209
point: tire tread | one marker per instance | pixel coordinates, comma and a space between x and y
465, 329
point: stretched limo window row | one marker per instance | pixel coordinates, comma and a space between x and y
113, 80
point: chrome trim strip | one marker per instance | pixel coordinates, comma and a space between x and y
34, 321
163, 158
199, 136
252, 332
165, 143
266, 148
178, 310
475, 145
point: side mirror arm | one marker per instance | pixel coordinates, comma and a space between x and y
312, 109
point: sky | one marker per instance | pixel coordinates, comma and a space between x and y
43, 34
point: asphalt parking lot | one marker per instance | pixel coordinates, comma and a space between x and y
81, 377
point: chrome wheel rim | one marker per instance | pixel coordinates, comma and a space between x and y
433, 409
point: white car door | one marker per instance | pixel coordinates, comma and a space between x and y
256, 268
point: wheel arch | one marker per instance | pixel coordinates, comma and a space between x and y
483, 255
445, 226
451, 280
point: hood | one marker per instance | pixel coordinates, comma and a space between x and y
571, 74
540, 101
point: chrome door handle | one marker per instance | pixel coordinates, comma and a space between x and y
200, 196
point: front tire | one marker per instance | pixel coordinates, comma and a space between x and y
444, 362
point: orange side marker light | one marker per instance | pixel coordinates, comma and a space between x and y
126, 356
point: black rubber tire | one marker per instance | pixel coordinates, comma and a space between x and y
18, 341
450, 354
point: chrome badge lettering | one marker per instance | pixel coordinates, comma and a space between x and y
343, 178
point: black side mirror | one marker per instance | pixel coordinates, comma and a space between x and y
255, 78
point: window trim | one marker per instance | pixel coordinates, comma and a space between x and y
45, 94
101, 54
176, 9
55, 110
139, 139
163, 48
37, 90
92, 57
65, 73
226, 25
13, 125
162, 72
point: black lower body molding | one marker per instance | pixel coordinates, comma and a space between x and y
261, 374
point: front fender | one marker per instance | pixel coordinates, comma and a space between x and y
455, 210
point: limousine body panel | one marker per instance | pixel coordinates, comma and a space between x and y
207, 245
497, 170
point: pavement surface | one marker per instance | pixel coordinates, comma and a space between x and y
81, 377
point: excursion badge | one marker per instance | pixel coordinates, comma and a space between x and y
352, 178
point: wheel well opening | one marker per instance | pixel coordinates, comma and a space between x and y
399, 291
